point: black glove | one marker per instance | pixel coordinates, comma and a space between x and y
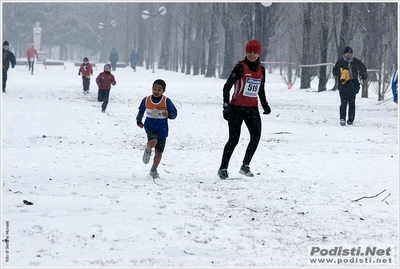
267, 109
227, 113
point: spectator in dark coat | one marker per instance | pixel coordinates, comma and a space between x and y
348, 68
8, 58
114, 57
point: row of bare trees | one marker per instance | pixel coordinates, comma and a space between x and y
205, 38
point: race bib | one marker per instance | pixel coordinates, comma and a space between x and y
154, 113
251, 87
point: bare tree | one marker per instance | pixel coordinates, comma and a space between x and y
213, 41
305, 82
206, 37
343, 33
267, 28
167, 36
324, 47
230, 25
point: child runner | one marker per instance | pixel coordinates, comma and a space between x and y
158, 109
248, 76
104, 80
85, 70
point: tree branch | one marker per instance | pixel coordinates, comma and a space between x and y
369, 196
385, 198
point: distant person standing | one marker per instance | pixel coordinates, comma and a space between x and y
8, 58
133, 58
347, 69
31, 54
104, 80
394, 86
114, 57
86, 71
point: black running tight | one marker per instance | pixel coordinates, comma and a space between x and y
251, 117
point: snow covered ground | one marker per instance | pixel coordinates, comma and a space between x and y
94, 204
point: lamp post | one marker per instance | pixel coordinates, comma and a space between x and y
107, 27
161, 11
146, 15
266, 4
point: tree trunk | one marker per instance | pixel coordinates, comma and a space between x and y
383, 72
189, 52
213, 43
228, 25
166, 39
305, 57
364, 91
344, 29
184, 47
141, 48
324, 50
203, 53
344, 34
198, 53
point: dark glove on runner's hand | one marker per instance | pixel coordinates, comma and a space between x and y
267, 109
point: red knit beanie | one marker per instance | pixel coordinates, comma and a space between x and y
253, 45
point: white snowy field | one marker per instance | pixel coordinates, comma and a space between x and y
93, 204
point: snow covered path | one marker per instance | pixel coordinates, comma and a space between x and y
94, 205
